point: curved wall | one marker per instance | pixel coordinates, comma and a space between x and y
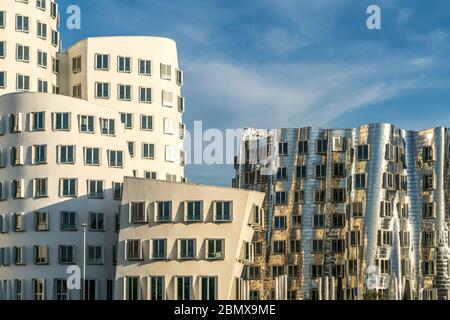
54, 203
13, 37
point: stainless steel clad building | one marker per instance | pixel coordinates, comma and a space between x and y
351, 214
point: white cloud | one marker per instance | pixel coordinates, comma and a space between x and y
296, 94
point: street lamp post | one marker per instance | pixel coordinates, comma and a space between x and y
84, 226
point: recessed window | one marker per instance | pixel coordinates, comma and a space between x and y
102, 62
151, 175
102, 90
68, 221
388, 180
39, 153
2, 49
2, 79
321, 146
187, 248
170, 154
117, 191
318, 221
148, 150
164, 211
360, 181
301, 172
92, 156
317, 246
279, 247
184, 288
169, 126
96, 221
167, 99
115, 158
22, 23
133, 249
19, 255
338, 170
338, 195
159, 249
428, 211
215, 249
40, 187
181, 104
282, 173
337, 220
66, 154
37, 121
18, 189
363, 152
428, 267
124, 92
319, 196
384, 238
23, 82
87, 124
108, 126
66, 254
280, 197
40, 254
61, 121
42, 86
180, 77
127, 120
338, 245
320, 171
131, 148
283, 148
166, 71
42, 222
2, 19
18, 220
68, 187
428, 182
95, 189
428, 153
41, 30
76, 64
76, 91
194, 211
39, 289
145, 67
41, 4
223, 211
146, 122
55, 65
53, 9
23, 53
137, 212
124, 64
95, 255
385, 209
145, 95
280, 223
55, 38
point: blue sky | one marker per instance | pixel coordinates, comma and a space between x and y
292, 63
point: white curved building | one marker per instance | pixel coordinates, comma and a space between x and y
29, 43
63, 157
60, 168
140, 78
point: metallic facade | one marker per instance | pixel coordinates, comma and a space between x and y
350, 213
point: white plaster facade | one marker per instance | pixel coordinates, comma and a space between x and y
146, 273
157, 139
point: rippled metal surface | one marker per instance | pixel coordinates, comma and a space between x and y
393, 250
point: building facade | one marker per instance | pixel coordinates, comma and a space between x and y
72, 125
183, 241
351, 214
